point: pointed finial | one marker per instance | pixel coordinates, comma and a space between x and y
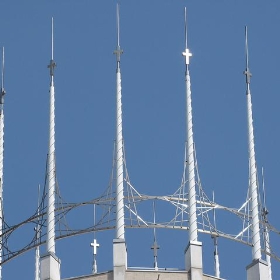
52, 38
3, 63
2, 78
187, 52
118, 50
186, 30
247, 72
52, 64
118, 24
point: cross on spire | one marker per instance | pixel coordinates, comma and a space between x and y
155, 247
52, 64
118, 52
95, 245
187, 52
247, 72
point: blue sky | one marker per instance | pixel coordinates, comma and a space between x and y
152, 36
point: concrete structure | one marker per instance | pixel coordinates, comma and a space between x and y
131, 274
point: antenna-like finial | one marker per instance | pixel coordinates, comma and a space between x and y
187, 52
52, 38
118, 50
3, 64
52, 64
2, 78
247, 72
118, 24
186, 30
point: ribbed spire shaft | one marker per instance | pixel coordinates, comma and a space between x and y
51, 160
255, 223
216, 255
190, 146
266, 232
37, 250
2, 94
119, 142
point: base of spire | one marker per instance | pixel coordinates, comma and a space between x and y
257, 270
50, 267
193, 260
119, 258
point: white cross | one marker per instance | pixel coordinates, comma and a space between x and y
95, 245
187, 54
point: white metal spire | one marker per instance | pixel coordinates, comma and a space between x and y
51, 159
190, 146
37, 250
216, 253
266, 232
119, 142
2, 93
155, 246
253, 189
94, 245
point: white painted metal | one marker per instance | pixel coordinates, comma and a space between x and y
253, 189
37, 262
119, 143
37, 250
51, 162
95, 245
190, 148
155, 246
1, 154
216, 254
266, 232
267, 249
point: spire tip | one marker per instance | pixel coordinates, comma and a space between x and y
247, 72
118, 50
187, 52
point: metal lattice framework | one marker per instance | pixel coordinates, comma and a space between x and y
136, 216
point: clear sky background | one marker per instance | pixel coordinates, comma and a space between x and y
152, 36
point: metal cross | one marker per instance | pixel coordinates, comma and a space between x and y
95, 245
187, 54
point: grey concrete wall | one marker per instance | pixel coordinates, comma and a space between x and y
143, 275
156, 275
100, 276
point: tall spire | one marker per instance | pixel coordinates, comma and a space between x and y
193, 252
266, 232
37, 250
190, 145
51, 159
50, 264
2, 94
119, 141
94, 245
119, 246
255, 223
